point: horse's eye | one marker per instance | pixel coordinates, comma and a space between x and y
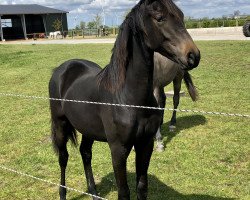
159, 18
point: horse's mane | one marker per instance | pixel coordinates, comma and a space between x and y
112, 77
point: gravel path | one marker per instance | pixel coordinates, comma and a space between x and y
112, 40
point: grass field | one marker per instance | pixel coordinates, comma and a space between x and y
207, 158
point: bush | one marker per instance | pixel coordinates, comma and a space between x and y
210, 23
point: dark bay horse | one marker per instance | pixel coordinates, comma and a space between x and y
152, 25
165, 72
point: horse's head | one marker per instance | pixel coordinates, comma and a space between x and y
165, 32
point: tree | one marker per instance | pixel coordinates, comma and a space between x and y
224, 17
91, 25
77, 27
98, 21
82, 25
187, 18
236, 13
57, 25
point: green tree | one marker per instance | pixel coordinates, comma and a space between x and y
91, 25
98, 21
77, 27
57, 25
82, 25
236, 13
206, 22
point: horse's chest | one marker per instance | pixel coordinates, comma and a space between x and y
147, 127
132, 125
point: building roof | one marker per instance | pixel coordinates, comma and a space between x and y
18, 9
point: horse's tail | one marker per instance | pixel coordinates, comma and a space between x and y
61, 128
190, 86
61, 132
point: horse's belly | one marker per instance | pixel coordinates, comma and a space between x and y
85, 120
84, 117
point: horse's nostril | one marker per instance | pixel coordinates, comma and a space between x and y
191, 59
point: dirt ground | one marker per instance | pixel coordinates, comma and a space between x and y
196, 37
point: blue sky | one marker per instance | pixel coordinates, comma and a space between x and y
85, 10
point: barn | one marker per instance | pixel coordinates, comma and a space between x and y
23, 21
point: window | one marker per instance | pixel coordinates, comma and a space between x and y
6, 23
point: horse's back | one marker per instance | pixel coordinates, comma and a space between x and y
68, 72
63, 79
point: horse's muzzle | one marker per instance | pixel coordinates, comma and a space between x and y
193, 59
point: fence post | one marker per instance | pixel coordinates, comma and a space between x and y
1, 29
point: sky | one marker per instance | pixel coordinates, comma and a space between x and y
114, 10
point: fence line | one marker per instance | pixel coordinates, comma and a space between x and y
97, 103
122, 105
49, 182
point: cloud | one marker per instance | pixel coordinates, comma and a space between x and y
108, 5
86, 9
212, 8
193, 8
68, 5
79, 5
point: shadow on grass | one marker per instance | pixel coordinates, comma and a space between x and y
157, 190
183, 123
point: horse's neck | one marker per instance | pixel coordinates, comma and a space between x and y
139, 75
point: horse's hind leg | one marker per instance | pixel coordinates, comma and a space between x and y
176, 99
63, 160
86, 152
60, 130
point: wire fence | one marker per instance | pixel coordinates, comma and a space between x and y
35, 177
123, 105
23, 96
48, 182
76, 33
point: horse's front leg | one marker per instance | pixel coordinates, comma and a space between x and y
176, 99
120, 154
143, 154
161, 100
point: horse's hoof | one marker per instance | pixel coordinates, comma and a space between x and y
172, 128
160, 148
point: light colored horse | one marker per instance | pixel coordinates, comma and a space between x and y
165, 72
54, 35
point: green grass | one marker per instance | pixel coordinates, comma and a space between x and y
206, 158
